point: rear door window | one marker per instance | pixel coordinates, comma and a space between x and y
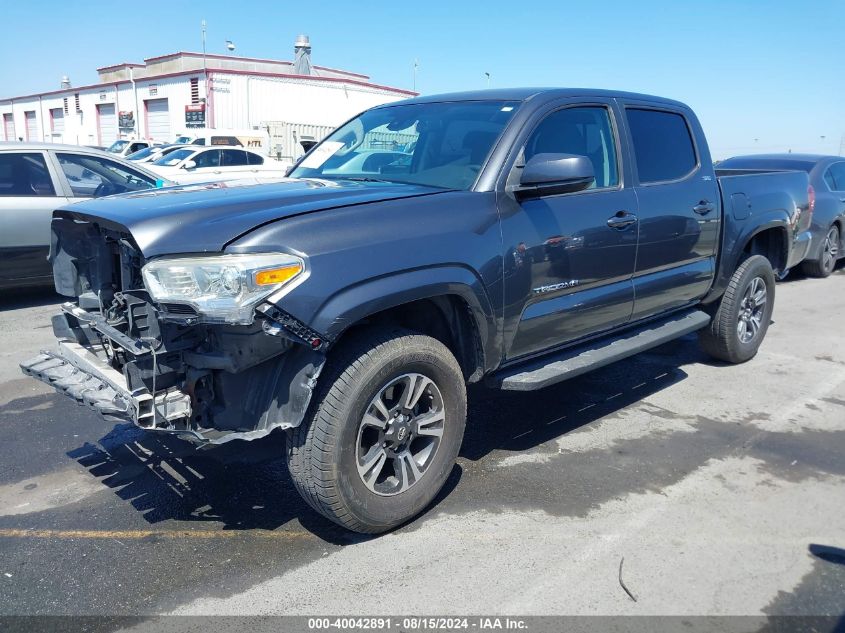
210, 158
233, 158
835, 176
254, 159
663, 146
24, 174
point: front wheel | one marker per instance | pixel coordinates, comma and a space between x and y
383, 431
743, 314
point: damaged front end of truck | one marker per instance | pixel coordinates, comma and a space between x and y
195, 345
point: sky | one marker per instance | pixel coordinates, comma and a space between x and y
762, 76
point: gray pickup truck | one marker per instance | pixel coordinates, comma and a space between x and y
517, 237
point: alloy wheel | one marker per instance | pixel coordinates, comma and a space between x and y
399, 434
830, 249
751, 310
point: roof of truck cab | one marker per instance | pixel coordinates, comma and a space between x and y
524, 94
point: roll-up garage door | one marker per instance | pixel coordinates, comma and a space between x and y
106, 123
57, 123
158, 119
31, 126
9, 126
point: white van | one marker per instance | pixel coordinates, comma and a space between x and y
255, 140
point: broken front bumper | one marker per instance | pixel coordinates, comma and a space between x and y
256, 381
83, 376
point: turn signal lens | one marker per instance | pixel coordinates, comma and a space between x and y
277, 275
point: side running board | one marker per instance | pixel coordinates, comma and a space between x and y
553, 368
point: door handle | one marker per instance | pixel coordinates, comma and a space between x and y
622, 220
704, 207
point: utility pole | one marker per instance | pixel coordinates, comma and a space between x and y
204, 67
416, 67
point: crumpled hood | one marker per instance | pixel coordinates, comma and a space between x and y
206, 217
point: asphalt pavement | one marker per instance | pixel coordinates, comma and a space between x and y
720, 486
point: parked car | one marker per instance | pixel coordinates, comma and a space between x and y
534, 236
827, 180
36, 179
194, 164
153, 153
256, 140
124, 148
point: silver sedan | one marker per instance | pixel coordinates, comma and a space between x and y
35, 179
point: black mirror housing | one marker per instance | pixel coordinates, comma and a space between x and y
549, 174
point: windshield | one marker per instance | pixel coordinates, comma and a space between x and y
141, 153
174, 157
93, 176
436, 144
117, 146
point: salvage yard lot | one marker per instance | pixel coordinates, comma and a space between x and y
721, 486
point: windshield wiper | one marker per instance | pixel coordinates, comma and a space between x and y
365, 179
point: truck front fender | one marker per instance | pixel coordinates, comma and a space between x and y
355, 303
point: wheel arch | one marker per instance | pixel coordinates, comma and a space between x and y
772, 242
446, 302
769, 235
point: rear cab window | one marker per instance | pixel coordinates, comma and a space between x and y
663, 147
24, 174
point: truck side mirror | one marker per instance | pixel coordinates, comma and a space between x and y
550, 174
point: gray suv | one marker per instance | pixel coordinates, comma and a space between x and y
35, 179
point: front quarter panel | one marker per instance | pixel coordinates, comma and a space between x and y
367, 258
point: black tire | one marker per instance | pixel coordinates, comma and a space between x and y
826, 262
323, 452
722, 339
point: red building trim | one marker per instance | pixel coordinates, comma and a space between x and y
245, 59
225, 71
97, 123
121, 65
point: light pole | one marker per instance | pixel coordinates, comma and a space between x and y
204, 67
488, 79
416, 67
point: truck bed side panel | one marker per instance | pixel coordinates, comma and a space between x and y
754, 203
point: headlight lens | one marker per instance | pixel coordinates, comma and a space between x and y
221, 288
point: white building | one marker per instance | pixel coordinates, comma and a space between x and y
168, 95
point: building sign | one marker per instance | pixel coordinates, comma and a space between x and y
126, 120
153, 90
195, 115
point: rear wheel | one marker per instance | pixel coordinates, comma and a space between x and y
826, 262
383, 431
743, 314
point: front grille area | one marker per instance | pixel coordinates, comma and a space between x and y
180, 309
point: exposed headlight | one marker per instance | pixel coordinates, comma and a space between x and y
222, 288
